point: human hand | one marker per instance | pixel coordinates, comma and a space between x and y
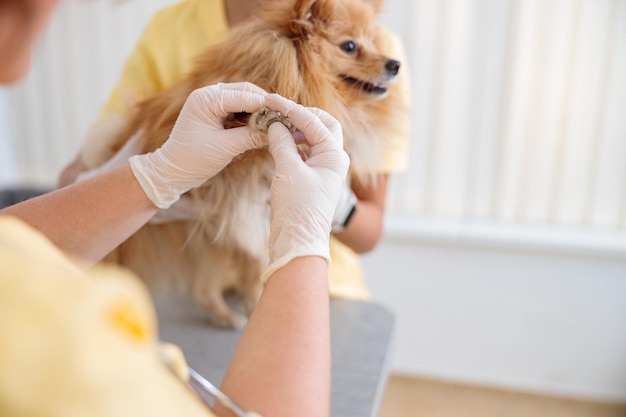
199, 146
183, 209
304, 193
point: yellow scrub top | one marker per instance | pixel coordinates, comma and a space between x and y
78, 342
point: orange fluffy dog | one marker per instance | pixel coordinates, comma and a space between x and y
320, 53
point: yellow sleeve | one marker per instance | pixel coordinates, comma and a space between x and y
396, 142
21, 241
78, 342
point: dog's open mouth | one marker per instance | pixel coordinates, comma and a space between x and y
366, 86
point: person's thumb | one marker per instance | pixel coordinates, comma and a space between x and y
282, 145
241, 139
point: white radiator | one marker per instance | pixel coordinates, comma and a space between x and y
519, 112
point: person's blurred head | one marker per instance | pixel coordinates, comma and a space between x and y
21, 23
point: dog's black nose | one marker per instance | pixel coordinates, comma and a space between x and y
392, 66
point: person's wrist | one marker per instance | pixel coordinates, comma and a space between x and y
152, 178
345, 210
290, 259
291, 244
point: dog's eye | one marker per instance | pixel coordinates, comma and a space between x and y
348, 47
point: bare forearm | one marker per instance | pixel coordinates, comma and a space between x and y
365, 228
281, 366
71, 172
89, 219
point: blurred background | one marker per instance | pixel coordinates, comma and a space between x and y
504, 255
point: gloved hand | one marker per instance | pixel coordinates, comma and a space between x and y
304, 193
183, 209
199, 147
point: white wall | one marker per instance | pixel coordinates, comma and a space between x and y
506, 316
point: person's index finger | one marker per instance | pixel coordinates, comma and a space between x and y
242, 86
303, 119
279, 103
238, 101
282, 145
330, 122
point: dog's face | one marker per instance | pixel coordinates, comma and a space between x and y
344, 33
348, 40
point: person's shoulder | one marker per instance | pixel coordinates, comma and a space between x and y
184, 11
187, 22
387, 32
391, 40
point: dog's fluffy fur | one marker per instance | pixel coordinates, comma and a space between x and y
321, 53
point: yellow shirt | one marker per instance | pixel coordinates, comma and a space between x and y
77, 342
166, 52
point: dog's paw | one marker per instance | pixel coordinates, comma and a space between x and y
262, 119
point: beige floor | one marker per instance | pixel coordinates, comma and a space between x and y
409, 397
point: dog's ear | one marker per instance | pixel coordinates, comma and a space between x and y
309, 14
309, 10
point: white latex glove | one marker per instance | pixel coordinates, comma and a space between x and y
199, 147
304, 193
183, 209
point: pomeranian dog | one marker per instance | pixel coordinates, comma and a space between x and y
319, 53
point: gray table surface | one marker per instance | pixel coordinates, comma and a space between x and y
361, 335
